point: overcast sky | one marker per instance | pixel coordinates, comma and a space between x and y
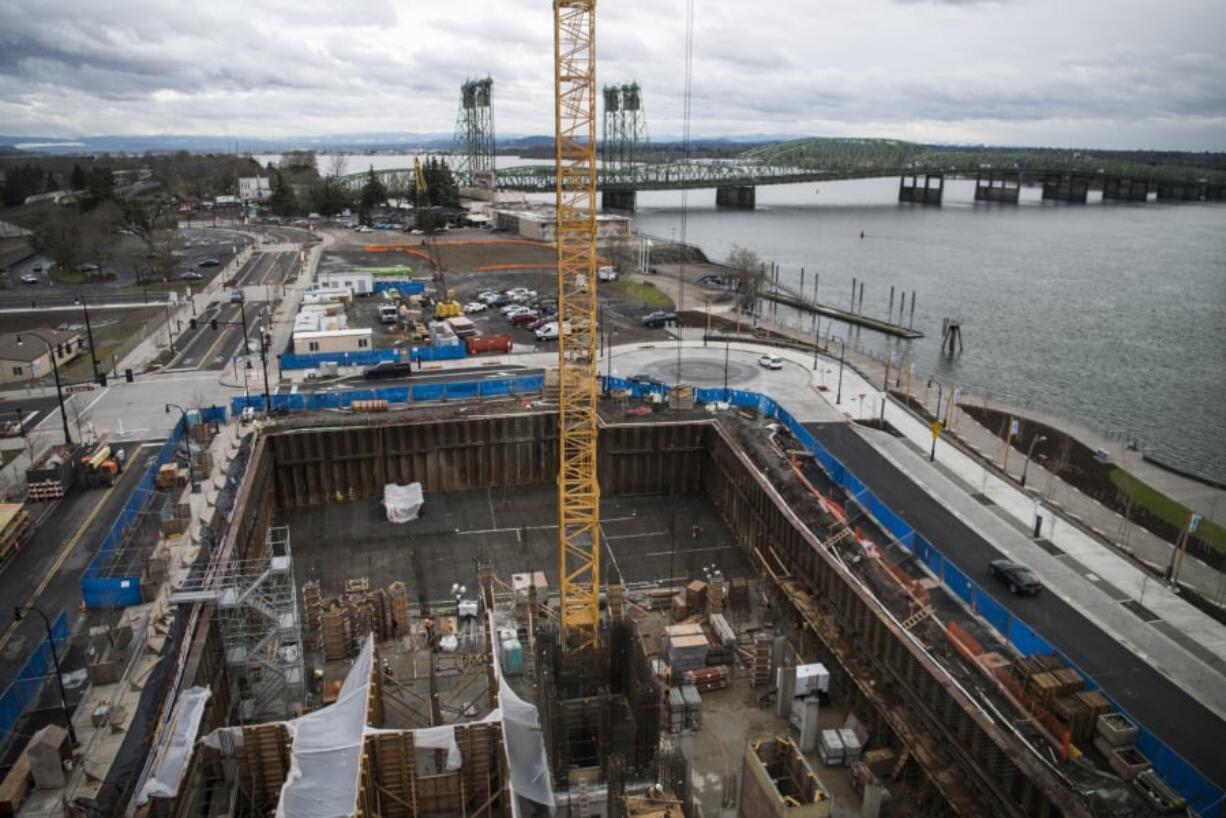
1100, 73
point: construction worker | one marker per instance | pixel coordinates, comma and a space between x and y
120, 456
430, 633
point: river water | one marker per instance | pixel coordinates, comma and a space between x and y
1109, 313
1113, 314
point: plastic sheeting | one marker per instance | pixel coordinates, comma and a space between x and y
327, 749
403, 503
524, 742
168, 772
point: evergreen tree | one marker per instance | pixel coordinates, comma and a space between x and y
78, 178
283, 201
374, 195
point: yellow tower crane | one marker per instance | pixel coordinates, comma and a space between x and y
574, 40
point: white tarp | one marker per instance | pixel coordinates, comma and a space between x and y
403, 503
326, 750
524, 743
168, 771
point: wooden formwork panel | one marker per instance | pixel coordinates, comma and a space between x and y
652, 458
263, 763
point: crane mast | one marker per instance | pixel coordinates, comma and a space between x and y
574, 29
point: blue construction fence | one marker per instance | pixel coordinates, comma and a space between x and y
410, 393
99, 591
29, 681
370, 357
402, 287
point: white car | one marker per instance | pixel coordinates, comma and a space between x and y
516, 310
487, 295
770, 362
362, 228
548, 332
521, 293
475, 306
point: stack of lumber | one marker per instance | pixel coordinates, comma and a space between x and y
1080, 712
14, 525
738, 594
681, 396
705, 679
696, 596
687, 647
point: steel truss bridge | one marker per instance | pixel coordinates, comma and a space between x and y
733, 174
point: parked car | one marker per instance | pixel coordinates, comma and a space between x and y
475, 306
1019, 578
512, 309
209, 262
542, 321
38, 268
659, 318
88, 269
770, 362
190, 275
29, 278
523, 319
646, 380
499, 300
549, 332
486, 296
362, 228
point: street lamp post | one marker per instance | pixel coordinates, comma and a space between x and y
59, 391
727, 350
89, 333
1029, 452
191, 468
18, 613
838, 398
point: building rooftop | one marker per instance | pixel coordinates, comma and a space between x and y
32, 348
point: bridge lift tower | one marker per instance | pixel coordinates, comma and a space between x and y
474, 134
574, 31
625, 129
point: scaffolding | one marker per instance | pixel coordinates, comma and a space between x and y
257, 609
624, 131
474, 134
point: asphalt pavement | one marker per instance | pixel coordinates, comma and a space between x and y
47, 571
1177, 718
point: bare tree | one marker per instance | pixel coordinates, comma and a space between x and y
748, 271
337, 163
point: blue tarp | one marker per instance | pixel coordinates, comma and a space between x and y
366, 357
29, 681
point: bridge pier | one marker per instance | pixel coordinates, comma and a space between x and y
1181, 191
1125, 190
1066, 187
927, 194
1004, 186
618, 200
739, 197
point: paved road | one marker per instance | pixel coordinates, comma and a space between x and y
469, 373
206, 348
47, 572
1178, 719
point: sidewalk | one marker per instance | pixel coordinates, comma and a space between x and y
1111, 529
963, 485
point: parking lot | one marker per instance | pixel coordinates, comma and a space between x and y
621, 311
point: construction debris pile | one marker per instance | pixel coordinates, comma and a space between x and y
338, 625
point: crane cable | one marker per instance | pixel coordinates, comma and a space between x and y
685, 150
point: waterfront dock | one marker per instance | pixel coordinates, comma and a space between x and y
783, 294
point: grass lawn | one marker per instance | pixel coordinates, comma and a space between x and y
67, 276
647, 293
1174, 513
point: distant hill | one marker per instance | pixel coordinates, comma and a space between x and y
842, 154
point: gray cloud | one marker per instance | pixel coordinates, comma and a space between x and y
1151, 73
